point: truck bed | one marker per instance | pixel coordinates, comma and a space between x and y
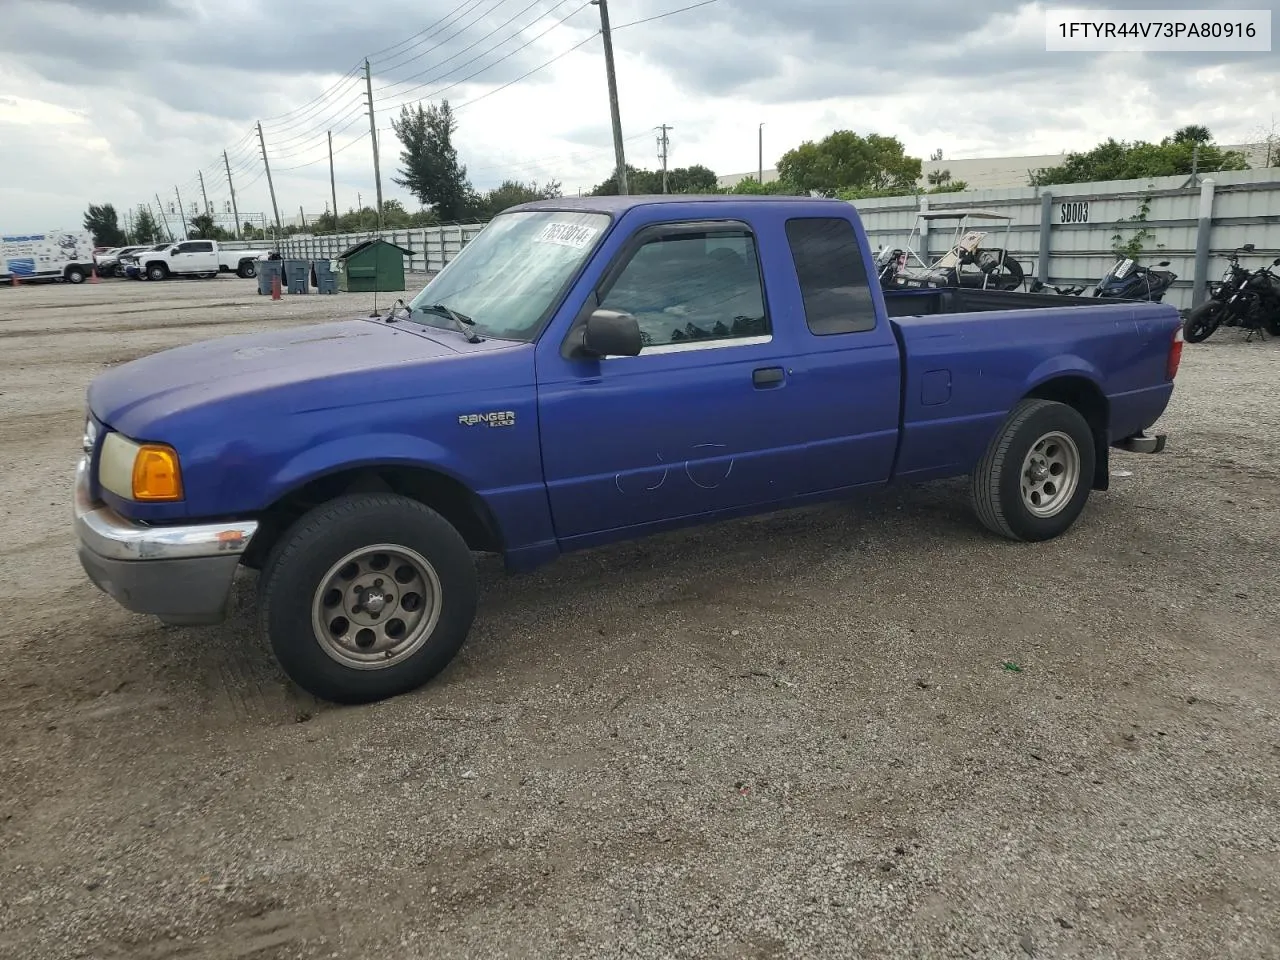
930, 301
969, 355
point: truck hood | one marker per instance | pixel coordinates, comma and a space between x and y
137, 397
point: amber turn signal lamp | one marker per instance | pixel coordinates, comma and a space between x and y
156, 476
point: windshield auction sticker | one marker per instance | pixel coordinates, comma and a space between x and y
1156, 31
566, 235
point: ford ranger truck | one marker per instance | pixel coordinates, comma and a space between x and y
587, 371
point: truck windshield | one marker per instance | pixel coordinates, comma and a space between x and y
507, 278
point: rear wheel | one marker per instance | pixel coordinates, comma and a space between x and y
367, 597
246, 270
74, 275
1036, 475
1203, 320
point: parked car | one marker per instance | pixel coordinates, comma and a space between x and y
108, 262
587, 371
200, 258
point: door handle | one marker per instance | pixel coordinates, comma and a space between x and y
766, 376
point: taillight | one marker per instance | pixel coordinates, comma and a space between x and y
1175, 355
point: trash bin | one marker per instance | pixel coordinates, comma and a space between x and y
372, 266
326, 280
297, 274
269, 270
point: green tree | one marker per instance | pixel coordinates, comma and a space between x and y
145, 228
431, 171
103, 223
844, 160
203, 228
694, 179
1176, 155
509, 193
750, 186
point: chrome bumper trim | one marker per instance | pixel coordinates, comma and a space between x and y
110, 535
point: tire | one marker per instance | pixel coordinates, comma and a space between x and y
118, 273
157, 271
1037, 434
74, 275
246, 270
302, 591
1203, 321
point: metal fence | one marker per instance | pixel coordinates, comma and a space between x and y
1062, 234
432, 247
1065, 233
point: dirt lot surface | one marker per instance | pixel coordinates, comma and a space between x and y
859, 730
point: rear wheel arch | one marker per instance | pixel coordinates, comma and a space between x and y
461, 506
1086, 397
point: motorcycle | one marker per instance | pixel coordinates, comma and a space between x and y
1126, 280
1242, 298
1129, 280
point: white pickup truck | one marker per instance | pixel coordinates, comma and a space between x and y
201, 258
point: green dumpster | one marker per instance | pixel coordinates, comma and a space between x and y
372, 266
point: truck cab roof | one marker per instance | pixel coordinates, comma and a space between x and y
618, 205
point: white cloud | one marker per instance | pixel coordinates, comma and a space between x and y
118, 108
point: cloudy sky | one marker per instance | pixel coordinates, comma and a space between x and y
118, 100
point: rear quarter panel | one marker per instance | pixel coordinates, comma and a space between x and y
965, 372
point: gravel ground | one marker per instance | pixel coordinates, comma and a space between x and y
794, 736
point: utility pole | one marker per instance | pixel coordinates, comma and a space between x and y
373, 135
182, 214
165, 219
270, 186
618, 154
204, 196
663, 145
303, 217
760, 156
235, 212
332, 187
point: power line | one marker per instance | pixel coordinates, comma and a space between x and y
524, 76
507, 22
387, 65
660, 16
508, 56
409, 40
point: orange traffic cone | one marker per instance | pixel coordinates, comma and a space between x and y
275, 288
93, 274
13, 279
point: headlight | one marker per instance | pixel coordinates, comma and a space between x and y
147, 472
90, 438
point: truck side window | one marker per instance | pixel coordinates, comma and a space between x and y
202, 246
833, 280
689, 287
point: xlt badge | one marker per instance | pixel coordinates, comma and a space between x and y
496, 418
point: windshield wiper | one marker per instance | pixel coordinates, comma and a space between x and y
461, 321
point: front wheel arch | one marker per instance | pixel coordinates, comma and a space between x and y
461, 506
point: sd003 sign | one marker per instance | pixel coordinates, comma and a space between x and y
1075, 211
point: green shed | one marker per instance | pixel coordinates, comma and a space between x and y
372, 266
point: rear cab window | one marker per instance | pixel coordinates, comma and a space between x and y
833, 280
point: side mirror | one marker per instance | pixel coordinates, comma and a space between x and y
1163, 263
173, 251
611, 333
1247, 248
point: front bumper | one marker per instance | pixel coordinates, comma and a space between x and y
181, 574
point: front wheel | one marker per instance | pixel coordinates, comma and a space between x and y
247, 270
157, 272
75, 275
367, 597
1202, 321
1036, 475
